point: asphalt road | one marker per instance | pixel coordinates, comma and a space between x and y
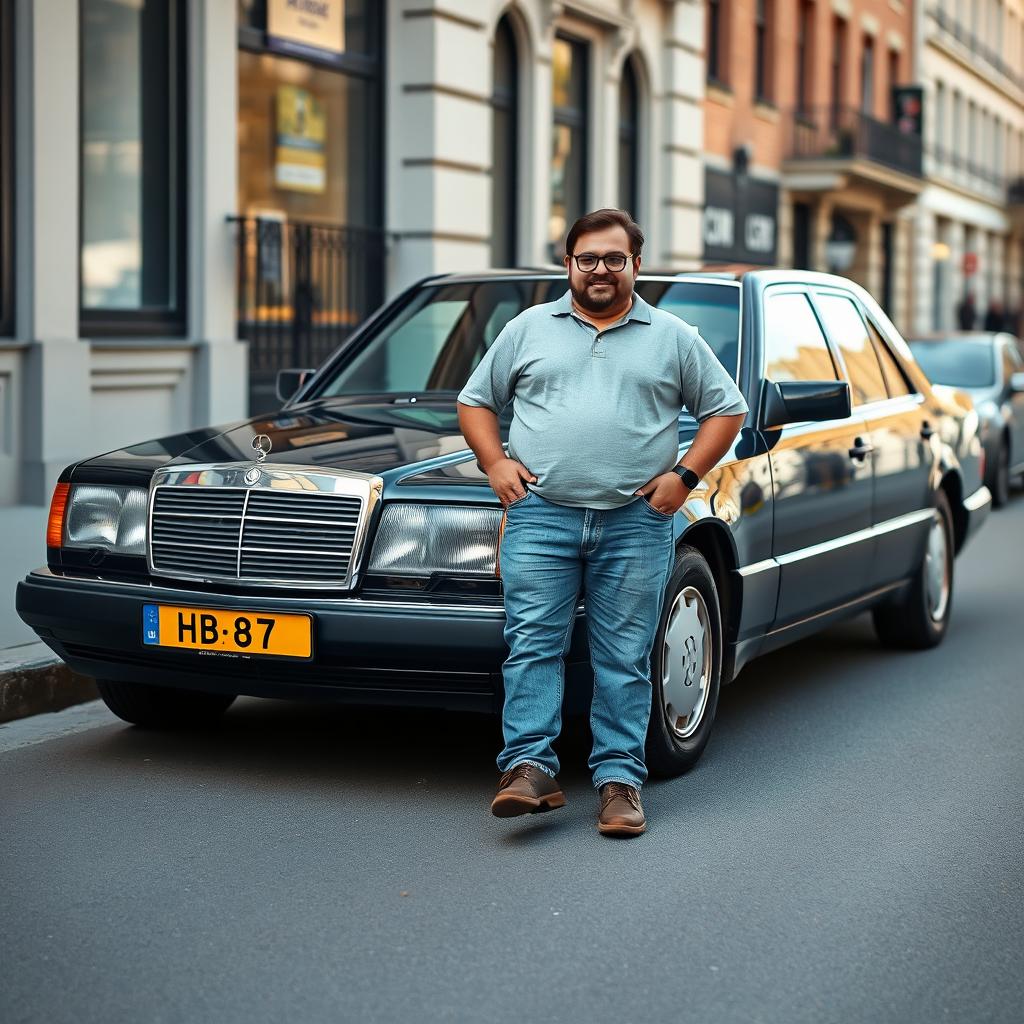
849, 849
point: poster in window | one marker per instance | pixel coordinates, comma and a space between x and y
300, 162
306, 27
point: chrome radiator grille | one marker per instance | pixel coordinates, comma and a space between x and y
254, 535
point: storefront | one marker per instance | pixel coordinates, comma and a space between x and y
310, 218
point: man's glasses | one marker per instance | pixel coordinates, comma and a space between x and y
614, 262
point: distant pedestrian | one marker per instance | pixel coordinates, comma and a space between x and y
967, 313
597, 426
995, 318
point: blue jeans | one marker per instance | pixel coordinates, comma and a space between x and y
623, 557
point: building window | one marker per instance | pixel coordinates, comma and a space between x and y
133, 168
836, 84
762, 51
715, 38
867, 76
940, 122
629, 135
6, 169
804, 34
504, 150
569, 138
894, 80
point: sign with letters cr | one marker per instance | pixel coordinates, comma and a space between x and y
305, 26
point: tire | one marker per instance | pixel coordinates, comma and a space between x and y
690, 610
920, 618
162, 707
1000, 482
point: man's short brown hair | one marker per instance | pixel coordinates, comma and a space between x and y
606, 219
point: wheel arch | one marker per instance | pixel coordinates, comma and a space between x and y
712, 539
953, 487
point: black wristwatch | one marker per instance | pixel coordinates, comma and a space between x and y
687, 475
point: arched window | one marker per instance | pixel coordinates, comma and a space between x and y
504, 151
629, 134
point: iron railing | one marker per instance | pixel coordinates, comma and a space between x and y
842, 133
302, 289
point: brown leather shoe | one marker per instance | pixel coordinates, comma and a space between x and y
525, 789
621, 814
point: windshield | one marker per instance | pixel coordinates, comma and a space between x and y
438, 338
961, 363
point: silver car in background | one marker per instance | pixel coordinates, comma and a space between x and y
989, 366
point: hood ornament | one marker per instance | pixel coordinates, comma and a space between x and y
261, 445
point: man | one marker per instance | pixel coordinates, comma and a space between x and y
966, 313
995, 318
590, 487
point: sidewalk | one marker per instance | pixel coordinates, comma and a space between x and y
32, 678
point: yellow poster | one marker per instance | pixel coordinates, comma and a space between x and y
319, 24
300, 162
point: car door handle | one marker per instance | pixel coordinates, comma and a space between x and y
926, 430
861, 450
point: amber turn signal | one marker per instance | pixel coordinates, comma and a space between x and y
55, 525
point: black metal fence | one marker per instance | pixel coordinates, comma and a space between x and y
844, 132
302, 290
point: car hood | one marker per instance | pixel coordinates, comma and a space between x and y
365, 434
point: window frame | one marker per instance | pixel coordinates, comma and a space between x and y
120, 323
841, 293
575, 118
508, 100
7, 181
773, 291
763, 18
717, 71
629, 137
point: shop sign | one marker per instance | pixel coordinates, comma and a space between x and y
306, 27
740, 218
300, 162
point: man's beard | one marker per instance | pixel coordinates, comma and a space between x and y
597, 303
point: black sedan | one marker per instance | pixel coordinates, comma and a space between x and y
990, 368
346, 547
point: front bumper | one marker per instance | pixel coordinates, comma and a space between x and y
365, 651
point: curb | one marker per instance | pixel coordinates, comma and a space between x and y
33, 680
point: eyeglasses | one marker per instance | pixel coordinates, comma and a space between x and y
614, 262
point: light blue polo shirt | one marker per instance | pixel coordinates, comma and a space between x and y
596, 413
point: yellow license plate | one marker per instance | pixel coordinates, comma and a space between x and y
230, 632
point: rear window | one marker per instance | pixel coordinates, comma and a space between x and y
437, 339
960, 363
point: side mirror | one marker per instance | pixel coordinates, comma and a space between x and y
289, 382
795, 401
1017, 383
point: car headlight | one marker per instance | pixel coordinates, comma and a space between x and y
417, 540
106, 516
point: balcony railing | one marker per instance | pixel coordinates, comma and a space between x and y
953, 29
843, 133
302, 290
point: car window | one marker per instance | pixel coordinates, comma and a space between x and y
847, 329
895, 380
795, 347
434, 342
959, 362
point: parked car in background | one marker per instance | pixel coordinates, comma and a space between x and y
346, 546
990, 368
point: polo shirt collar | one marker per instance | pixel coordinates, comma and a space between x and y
640, 312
